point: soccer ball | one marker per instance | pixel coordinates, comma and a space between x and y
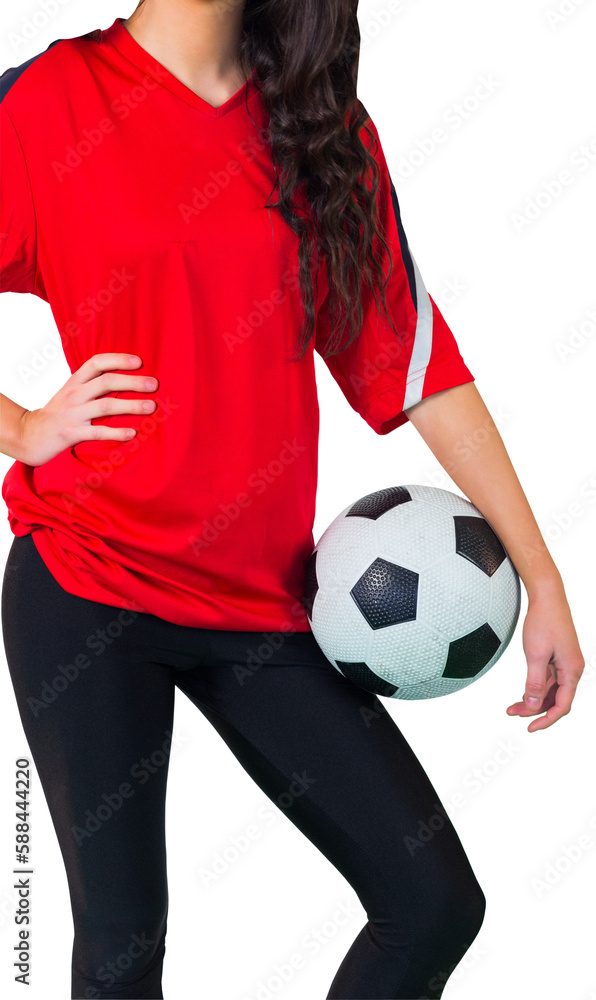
410, 593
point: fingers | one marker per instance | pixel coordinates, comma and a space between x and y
110, 406
562, 706
555, 705
99, 363
100, 432
99, 375
536, 682
522, 708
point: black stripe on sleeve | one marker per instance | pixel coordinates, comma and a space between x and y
11, 75
405, 250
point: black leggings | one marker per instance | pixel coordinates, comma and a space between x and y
95, 689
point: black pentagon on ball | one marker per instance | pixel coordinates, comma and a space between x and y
476, 541
469, 654
363, 677
311, 584
386, 594
375, 504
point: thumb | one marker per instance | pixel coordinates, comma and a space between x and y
535, 683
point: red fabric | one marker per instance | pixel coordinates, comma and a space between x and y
137, 211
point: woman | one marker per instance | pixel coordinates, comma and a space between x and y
200, 196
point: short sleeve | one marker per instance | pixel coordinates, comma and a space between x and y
382, 374
17, 215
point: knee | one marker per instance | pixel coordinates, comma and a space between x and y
461, 904
450, 911
109, 956
453, 921
447, 909
466, 913
452, 927
476, 908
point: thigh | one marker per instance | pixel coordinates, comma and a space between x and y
331, 756
98, 723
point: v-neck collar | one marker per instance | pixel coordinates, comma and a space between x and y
121, 37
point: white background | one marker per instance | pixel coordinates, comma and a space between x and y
526, 291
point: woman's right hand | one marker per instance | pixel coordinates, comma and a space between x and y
66, 419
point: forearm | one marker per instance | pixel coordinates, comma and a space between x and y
11, 415
459, 430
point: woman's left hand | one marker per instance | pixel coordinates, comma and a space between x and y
555, 661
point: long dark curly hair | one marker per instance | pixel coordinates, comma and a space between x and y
305, 54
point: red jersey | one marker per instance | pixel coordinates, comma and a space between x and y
138, 211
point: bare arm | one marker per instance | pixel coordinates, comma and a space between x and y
448, 421
36, 436
11, 424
